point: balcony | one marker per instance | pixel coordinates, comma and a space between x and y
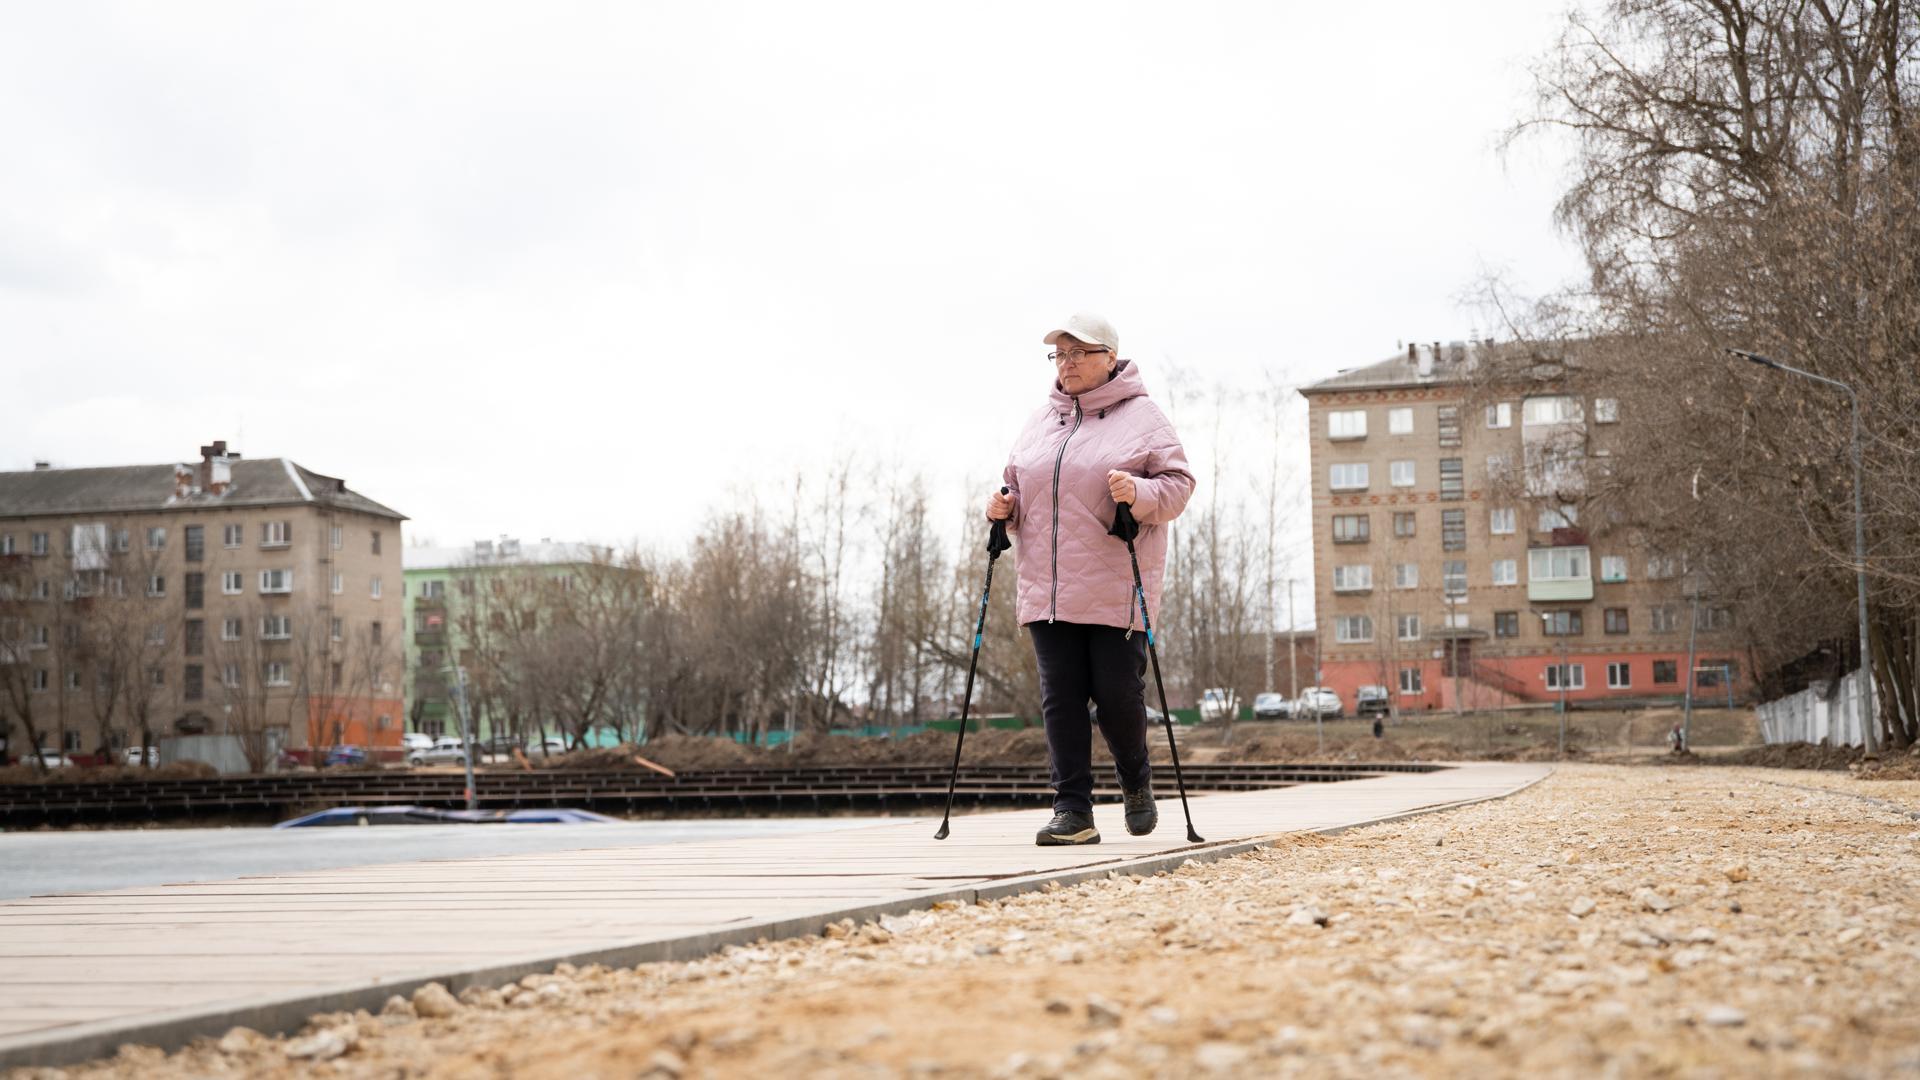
1559, 573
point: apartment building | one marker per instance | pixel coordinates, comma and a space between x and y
219, 596
446, 585
1457, 557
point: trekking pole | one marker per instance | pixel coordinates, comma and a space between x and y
997, 542
1126, 529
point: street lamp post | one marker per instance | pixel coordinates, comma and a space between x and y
1867, 733
1565, 672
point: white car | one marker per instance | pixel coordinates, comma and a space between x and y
1317, 701
152, 756
1219, 704
54, 759
1271, 706
415, 740
445, 750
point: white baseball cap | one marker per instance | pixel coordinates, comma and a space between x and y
1089, 328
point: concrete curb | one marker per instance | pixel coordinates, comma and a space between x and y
279, 1015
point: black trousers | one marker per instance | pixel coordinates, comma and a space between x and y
1080, 662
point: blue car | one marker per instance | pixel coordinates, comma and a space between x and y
346, 755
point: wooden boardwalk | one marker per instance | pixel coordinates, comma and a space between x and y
82, 973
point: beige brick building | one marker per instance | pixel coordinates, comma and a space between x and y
1457, 556
253, 598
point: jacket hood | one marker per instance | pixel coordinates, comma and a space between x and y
1126, 383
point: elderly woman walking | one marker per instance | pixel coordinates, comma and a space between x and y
1097, 442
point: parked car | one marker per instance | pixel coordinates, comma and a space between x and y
1317, 702
445, 750
1218, 704
1271, 706
54, 759
346, 755
1371, 701
416, 740
134, 757
552, 744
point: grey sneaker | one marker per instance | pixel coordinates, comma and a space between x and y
1068, 827
1142, 817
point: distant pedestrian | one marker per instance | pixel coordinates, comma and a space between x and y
1677, 740
1098, 441
1379, 729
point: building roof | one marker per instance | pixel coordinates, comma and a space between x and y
502, 552
143, 488
1450, 364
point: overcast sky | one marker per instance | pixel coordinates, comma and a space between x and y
586, 271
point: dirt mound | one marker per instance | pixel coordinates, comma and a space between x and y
1899, 768
1282, 747
1775, 756
677, 752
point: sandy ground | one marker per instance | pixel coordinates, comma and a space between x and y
1611, 921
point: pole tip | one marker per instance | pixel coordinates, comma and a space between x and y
1195, 838
942, 834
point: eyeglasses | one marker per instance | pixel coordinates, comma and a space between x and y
1075, 354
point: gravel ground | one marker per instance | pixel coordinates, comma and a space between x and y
1609, 921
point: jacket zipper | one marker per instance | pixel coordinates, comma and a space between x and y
1053, 603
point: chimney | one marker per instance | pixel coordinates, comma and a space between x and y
216, 468
42, 466
1424, 359
183, 482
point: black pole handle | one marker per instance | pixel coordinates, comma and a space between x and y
1124, 526
997, 541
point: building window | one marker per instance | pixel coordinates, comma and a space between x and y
1606, 410
1616, 620
42, 589
1557, 517
1660, 567
1550, 410
1501, 415
40, 680
1453, 530
1561, 623
230, 629
6, 544
157, 676
157, 538
1350, 629
336, 537
1613, 568
437, 588
37, 544
1453, 577
196, 542
375, 632
339, 583
1716, 618
156, 585
1453, 479
1665, 619
73, 680
1500, 521
1403, 523
193, 686
275, 672
1506, 571
1407, 627
1347, 529
1400, 473
1352, 578
274, 534
123, 540
1619, 675
40, 637
1347, 424
1351, 476
336, 628
1406, 575
1557, 564
1566, 676
196, 589
336, 671
1665, 673
1447, 422
196, 637
1454, 620
1400, 421
276, 581
1410, 681
233, 535
376, 541
276, 627
232, 582
230, 676
1506, 624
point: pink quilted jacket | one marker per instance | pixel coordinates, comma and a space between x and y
1070, 570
